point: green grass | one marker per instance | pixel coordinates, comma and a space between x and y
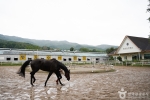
10, 64
137, 65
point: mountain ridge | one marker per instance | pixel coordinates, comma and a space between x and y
55, 44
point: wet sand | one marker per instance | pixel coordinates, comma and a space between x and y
87, 86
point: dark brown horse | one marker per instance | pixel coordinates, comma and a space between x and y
52, 66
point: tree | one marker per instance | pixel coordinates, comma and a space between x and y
84, 49
94, 50
109, 50
45, 48
111, 58
148, 9
119, 58
19, 45
71, 49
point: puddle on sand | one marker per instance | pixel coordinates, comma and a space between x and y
52, 90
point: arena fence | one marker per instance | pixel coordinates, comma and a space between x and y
127, 63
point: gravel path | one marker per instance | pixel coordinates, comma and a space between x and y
133, 81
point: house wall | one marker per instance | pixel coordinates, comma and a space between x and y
129, 56
128, 49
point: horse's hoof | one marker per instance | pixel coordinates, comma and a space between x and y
34, 80
62, 84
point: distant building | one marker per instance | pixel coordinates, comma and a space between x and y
21, 55
133, 48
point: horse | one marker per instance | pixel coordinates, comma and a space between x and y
51, 66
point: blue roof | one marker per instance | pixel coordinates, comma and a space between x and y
12, 52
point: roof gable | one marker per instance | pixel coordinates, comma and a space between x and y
142, 43
128, 46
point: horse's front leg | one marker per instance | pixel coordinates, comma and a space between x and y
58, 77
50, 73
60, 82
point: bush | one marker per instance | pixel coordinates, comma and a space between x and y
119, 58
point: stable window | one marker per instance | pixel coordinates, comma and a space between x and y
88, 59
69, 59
64, 59
8, 58
29, 58
97, 58
79, 59
15, 59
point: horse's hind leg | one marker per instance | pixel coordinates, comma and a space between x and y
32, 74
32, 77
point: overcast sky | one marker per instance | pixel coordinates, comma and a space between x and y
92, 22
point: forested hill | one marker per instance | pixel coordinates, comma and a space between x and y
62, 45
18, 45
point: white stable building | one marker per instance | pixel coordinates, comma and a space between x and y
18, 55
133, 48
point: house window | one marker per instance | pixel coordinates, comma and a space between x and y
146, 56
136, 57
125, 57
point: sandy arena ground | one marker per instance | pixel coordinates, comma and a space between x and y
88, 86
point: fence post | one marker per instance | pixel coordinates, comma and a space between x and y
142, 63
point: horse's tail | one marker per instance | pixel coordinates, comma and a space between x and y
21, 71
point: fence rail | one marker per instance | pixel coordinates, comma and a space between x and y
127, 63
104, 63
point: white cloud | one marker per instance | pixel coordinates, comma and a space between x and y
92, 22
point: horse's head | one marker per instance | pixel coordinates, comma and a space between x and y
67, 75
